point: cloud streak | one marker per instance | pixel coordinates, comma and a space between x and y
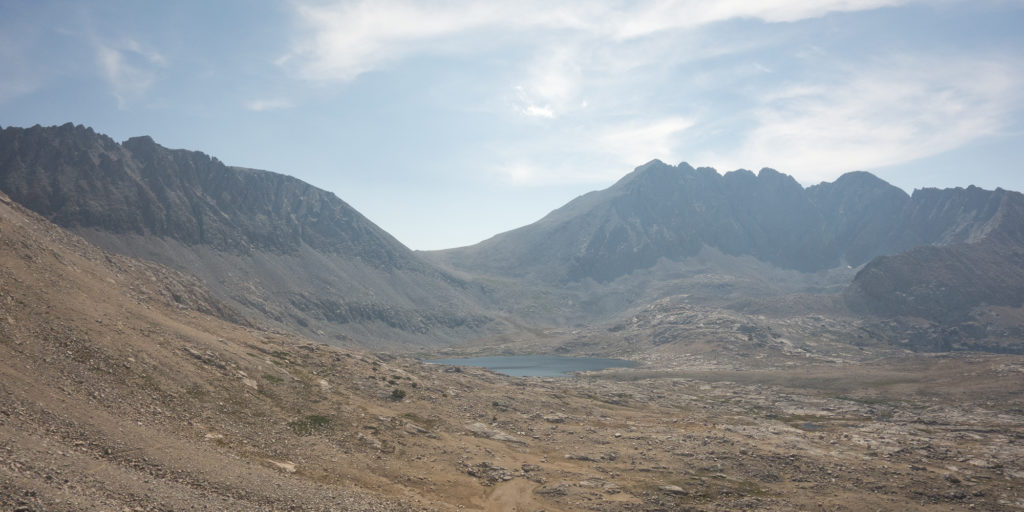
657, 16
129, 68
343, 40
262, 105
599, 152
893, 112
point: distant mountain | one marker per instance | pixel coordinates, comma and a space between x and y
272, 245
657, 211
671, 212
939, 269
936, 255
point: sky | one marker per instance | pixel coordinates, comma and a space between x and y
447, 122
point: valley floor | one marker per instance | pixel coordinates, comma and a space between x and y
118, 392
259, 421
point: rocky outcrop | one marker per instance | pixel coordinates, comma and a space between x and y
984, 265
941, 284
950, 297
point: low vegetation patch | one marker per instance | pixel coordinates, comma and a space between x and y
309, 425
427, 423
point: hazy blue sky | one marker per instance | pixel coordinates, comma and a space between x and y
447, 122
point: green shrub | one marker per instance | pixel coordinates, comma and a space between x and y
309, 424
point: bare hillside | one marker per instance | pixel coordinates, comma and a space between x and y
124, 386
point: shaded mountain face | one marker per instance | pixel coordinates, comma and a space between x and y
272, 245
659, 211
861, 215
81, 179
670, 212
979, 265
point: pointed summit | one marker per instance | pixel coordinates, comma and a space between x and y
646, 171
655, 174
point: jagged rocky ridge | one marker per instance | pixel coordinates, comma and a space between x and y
672, 212
269, 244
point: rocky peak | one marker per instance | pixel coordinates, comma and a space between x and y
140, 143
651, 174
740, 176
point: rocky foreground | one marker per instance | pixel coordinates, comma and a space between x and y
120, 390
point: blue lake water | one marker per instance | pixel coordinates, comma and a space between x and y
537, 365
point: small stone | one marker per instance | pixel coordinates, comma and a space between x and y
414, 429
287, 467
673, 489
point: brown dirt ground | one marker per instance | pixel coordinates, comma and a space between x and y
117, 392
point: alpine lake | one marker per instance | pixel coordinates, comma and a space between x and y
537, 365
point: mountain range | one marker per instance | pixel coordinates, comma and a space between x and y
672, 212
126, 385
272, 246
937, 266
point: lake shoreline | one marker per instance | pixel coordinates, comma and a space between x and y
536, 365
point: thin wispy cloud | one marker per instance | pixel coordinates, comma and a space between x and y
342, 40
262, 105
895, 111
553, 81
10, 89
656, 16
20, 77
639, 141
599, 152
129, 68
537, 111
